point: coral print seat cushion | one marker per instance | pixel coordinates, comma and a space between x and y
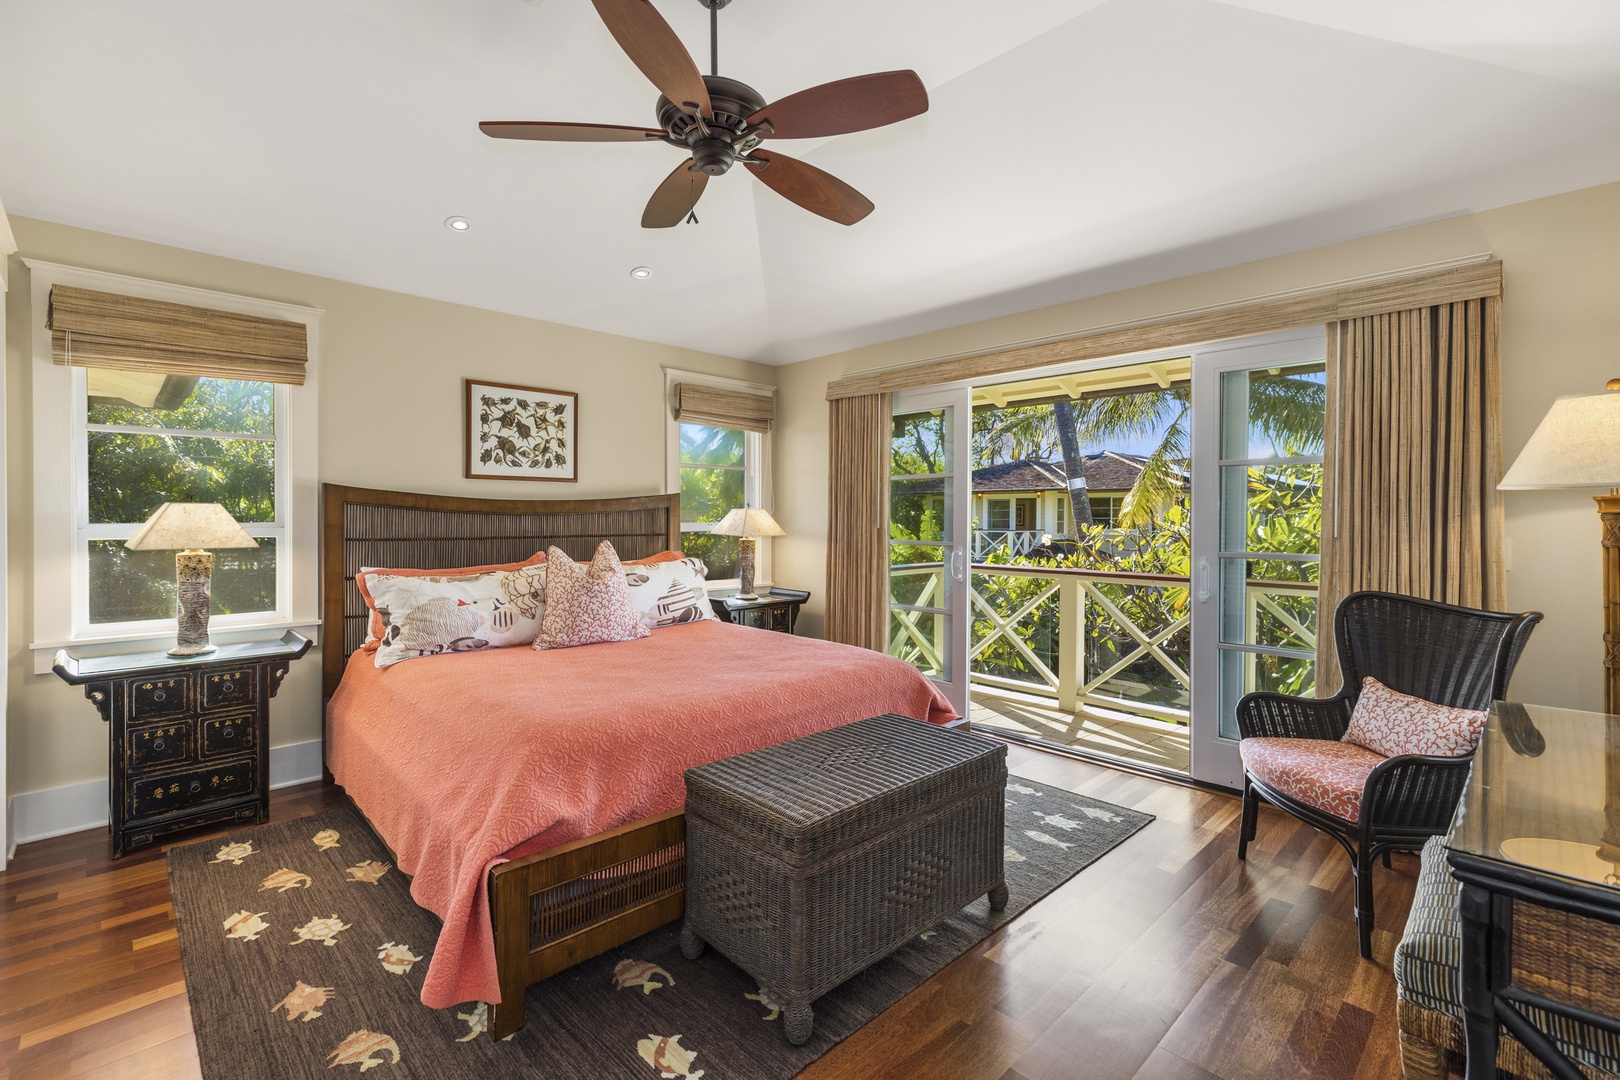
1324, 773
587, 603
1390, 723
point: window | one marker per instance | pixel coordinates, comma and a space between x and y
151, 439
719, 460
1000, 515
112, 444
1105, 510
714, 481
1062, 503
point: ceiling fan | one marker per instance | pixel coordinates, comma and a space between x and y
719, 122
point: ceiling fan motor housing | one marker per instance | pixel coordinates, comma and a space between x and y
715, 150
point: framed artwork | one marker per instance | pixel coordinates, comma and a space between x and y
521, 432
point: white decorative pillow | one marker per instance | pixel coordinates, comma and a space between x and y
1391, 723
587, 603
667, 593
423, 615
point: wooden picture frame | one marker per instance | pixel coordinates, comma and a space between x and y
520, 432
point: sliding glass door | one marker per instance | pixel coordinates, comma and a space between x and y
1259, 414
928, 537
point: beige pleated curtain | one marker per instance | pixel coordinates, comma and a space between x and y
95, 329
1412, 461
857, 521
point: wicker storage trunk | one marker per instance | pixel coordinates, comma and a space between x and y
806, 862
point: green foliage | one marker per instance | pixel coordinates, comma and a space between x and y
919, 444
712, 485
131, 474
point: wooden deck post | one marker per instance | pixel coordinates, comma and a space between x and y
1071, 643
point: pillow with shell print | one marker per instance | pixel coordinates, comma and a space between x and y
669, 593
426, 615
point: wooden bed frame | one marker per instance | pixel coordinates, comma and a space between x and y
556, 908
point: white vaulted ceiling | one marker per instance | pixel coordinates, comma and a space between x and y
1073, 147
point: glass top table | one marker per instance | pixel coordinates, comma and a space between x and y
1544, 794
1536, 847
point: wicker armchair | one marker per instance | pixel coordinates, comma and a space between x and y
1450, 655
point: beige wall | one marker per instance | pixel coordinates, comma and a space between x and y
1560, 335
391, 367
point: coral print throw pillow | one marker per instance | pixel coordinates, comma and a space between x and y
587, 603
1388, 722
430, 614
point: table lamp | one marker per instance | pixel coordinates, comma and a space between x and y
1578, 445
187, 528
747, 523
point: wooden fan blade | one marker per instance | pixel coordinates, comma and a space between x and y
816, 191
543, 131
675, 197
837, 108
649, 42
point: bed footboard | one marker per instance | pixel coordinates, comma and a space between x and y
558, 907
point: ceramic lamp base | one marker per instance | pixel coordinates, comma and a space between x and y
745, 570
194, 572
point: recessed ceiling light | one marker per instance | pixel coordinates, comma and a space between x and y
641, 273
457, 224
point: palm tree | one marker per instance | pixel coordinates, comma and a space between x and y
1284, 408
1074, 465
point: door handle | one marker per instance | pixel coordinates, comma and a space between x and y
1203, 581
959, 566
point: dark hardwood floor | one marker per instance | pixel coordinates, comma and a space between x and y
1166, 960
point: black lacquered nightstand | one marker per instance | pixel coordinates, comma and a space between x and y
188, 735
776, 609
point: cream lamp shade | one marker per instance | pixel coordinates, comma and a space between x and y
190, 526
747, 521
1576, 445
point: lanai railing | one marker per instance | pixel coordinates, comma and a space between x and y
1011, 542
1114, 640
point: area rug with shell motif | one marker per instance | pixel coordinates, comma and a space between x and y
304, 956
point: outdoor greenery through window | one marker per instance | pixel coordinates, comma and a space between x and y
152, 439
714, 481
1119, 547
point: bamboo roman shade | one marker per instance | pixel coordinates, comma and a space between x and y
1414, 452
857, 522
696, 403
107, 330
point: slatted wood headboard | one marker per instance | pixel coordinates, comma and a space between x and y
368, 527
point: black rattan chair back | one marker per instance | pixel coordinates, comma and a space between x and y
1450, 655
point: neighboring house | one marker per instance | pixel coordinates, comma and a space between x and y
1032, 496
1022, 504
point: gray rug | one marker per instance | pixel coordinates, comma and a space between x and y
302, 954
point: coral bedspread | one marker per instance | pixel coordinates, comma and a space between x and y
467, 760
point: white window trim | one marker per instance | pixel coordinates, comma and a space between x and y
757, 452
59, 428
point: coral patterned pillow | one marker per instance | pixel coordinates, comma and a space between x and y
1388, 722
671, 592
586, 604
375, 625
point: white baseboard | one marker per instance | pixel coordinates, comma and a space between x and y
39, 815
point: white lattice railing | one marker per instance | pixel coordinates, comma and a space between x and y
1062, 673
1009, 542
